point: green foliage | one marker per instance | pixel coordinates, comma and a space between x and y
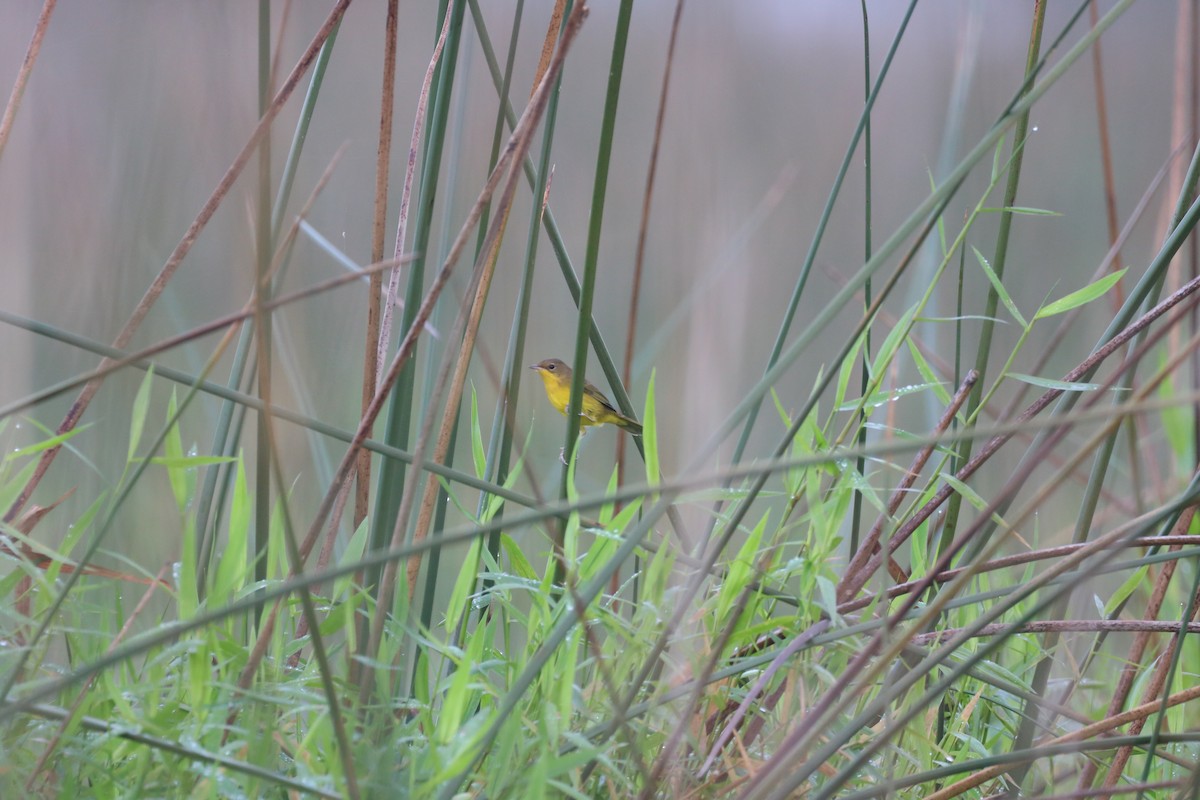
1081, 297
999, 289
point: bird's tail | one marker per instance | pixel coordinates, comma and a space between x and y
631, 425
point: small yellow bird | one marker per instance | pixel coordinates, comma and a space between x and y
596, 409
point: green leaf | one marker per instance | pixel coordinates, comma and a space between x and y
448, 488
863, 486
464, 584
517, 561
1050, 383
1176, 419
941, 220
1025, 210
927, 373
1081, 297
76, 530
457, 700
740, 571
784, 416
53, 441
891, 343
189, 462
11, 487
1130, 585
970, 495
714, 495
826, 597
604, 514
998, 160
650, 434
877, 399
233, 568
137, 415
8, 585
962, 318
181, 479
846, 373
477, 437
1001, 292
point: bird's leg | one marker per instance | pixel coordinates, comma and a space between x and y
562, 451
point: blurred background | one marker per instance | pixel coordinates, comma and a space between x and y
135, 110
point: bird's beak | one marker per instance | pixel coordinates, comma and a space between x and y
533, 366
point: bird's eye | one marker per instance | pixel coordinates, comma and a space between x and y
550, 367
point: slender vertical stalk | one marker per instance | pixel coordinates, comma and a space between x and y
262, 319
865, 374
31, 54
362, 491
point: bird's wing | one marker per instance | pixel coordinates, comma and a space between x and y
596, 394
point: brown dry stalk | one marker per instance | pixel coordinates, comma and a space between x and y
1138, 789
378, 340
1110, 181
1150, 697
1058, 625
856, 576
393, 293
362, 494
1087, 732
995, 443
23, 591
873, 658
31, 54
548, 41
717, 649
1133, 661
1045, 554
